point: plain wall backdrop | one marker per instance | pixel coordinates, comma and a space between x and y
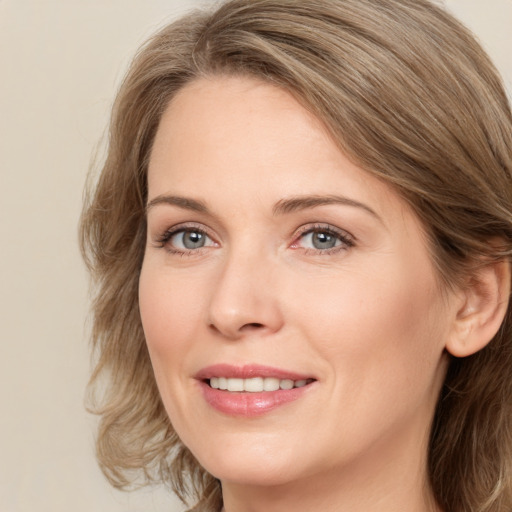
60, 64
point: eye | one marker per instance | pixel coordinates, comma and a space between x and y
189, 239
320, 240
185, 239
323, 239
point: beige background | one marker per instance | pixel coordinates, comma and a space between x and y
60, 63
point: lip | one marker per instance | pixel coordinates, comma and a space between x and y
247, 372
249, 404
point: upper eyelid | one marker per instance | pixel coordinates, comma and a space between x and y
187, 226
166, 234
307, 228
160, 225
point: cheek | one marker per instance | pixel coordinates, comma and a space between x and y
170, 313
384, 328
380, 339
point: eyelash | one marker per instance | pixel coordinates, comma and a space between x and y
347, 240
163, 240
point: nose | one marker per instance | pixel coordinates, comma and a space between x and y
245, 300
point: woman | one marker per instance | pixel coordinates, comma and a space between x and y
301, 239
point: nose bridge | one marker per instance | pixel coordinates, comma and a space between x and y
245, 298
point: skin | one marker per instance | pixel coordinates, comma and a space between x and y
367, 318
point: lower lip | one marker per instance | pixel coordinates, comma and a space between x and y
249, 404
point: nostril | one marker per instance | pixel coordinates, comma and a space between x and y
245, 327
251, 326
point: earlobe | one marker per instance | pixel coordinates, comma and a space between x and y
484, 305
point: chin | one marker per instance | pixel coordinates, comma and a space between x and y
257, 462
256, 475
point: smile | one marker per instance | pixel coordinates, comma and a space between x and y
251, 390
256, 384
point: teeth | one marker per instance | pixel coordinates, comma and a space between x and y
286, 384
223, 383
270, 384
235, 384
255, 384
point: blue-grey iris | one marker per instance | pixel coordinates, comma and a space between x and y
193, 239
323, 240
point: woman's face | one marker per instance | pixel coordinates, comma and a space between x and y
273, 262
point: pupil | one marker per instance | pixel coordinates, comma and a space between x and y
193, 240
323, 240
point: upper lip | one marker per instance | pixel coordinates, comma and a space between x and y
248, 371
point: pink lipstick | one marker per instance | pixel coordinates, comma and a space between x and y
250, 390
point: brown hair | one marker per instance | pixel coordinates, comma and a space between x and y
411, 97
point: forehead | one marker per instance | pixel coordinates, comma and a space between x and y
241, 140
234, 116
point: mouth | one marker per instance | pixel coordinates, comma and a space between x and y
251, 390
255, 384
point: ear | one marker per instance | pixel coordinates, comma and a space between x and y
484, 305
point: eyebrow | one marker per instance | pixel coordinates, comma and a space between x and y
185, 203
298, 203
282, 207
